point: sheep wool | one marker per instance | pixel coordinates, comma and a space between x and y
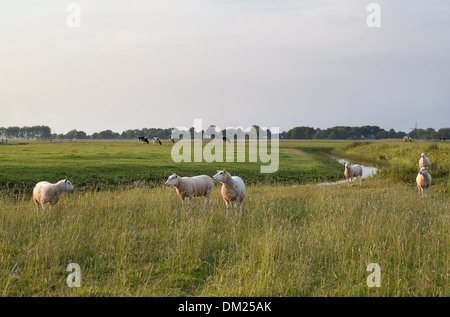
353, 171
188, 187
233, 189
423, 181
425, 162
47, 193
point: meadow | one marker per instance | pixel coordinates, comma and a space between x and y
130, 236
118, 163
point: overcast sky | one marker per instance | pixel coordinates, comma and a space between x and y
233, 63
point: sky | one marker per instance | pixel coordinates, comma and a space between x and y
233, 63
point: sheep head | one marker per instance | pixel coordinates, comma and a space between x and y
172, 180
68, 185
221, 176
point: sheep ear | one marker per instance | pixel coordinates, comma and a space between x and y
224, 170
218, 171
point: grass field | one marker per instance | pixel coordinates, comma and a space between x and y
105, 164
295, 238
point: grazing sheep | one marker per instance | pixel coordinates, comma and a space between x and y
423, 181
425, 161
233, 189
353, 171
189, 187
45, 192
407, 138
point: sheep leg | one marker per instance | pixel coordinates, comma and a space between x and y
207, 202
235, 208
37, 205
228, 205
242, 203
426, 189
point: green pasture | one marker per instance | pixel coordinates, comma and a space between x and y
297, 237
115, 163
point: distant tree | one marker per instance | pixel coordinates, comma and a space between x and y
74, 134
319, 134
108, 134
444, 133
431, 134
382, 135
392, 134
12, 132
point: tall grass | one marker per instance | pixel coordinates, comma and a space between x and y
301, 240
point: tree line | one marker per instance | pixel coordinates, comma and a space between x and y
363, 132
45, 133
339, 132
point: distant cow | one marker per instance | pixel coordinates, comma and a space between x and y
143, 139
441, 138
407, 138
156, 140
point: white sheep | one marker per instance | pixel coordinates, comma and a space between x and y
353, 171
425, 161
423, 181
233, 189
189, 187
45, 192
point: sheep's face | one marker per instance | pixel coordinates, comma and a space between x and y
221, 176
172, 180
68, 184
423, 171
423, 154
347, 165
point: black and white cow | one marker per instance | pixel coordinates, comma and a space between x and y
143, 139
